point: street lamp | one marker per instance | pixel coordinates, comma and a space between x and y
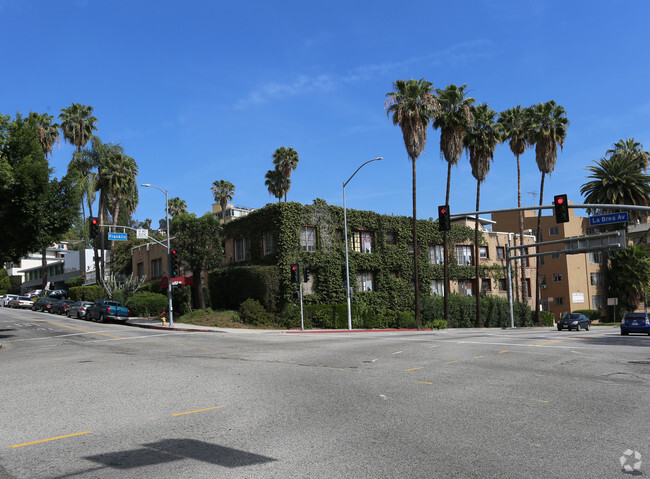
345, 230
169, 277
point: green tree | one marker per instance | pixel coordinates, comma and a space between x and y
628, 275
482, 138
223, 192
630, 147
77, 124
176, 206
199, 246
122, 186
548, 132
413, 104
286, 160
517, 130
276, 183
453, 119
48, 132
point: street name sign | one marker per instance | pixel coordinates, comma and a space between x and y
117, 236
621, 217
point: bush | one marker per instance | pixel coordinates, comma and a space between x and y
230, 287
147, 304
547, 318
86, 293
252, 312
592, 314
462, 311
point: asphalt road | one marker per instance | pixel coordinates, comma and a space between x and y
89, 400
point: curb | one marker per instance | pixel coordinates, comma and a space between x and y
167, 328
327, 331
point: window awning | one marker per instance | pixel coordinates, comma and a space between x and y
182, 281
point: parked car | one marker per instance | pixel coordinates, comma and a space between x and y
575, 321
43, 304
61, 306
107, 310
58, 294
34, 294
78, 309
4, 300
21, 302
635, 323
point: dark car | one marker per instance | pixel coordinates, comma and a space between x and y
635, 323
78, 309
575, 321
58, 294
43, 304
61, 306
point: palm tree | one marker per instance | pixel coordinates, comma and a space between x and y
122, 185
223, 192
276, 183
516, 129
618, 180
453, 119
285, 159
177, 206
78, 124
413, 105
548, 131
631, 148
481, 140
48, 132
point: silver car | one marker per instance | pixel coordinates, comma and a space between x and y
4, 299
21, 302
78, 309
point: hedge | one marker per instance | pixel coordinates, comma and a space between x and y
230, 287
147, 304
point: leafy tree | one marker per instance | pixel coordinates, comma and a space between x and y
176, 206
286, 160
517, 130
413, 104
223, 192
276, 183
548, 131
48, 132
199, 246
628, 275
482, 138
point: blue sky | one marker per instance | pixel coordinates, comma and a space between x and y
198, 91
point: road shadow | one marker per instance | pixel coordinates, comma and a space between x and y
170, 450
2, 336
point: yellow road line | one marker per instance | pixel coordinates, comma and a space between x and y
335, 369
449, 362
50, 439
504, 351
423, 382
77, 329
285, 361
413, 369
478, 357
197, 410
557, 341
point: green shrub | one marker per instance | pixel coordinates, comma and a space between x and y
230, 287
592, 314
547, 318
252, 312
86, 293
74, 282
147, 304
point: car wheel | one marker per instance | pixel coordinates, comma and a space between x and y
559, 328
577, 328
101, 317
86, 317
624, 334
587, 328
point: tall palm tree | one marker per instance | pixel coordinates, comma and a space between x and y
618, 180
549, 127
481, 140
77, 124
413, 105
453, 119
177, 206
286, 160
276, 183
516, 128
633, 148
223, 192
48, 132
122, 185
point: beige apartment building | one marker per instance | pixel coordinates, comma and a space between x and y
567, 282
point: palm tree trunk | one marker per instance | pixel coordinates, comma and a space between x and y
445, 266
44, 268
538, 314
416, 276
524, 286
477, 292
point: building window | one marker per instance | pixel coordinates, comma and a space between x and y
308, 238
559, 301
242, 249
596, 257
364, 281
557, 277
464, 255
529, 293
501, 252
390, 237
596, 279
502, 285
598, 301
555, 255
438, 287
156, 268
593, 231
465, 287
269, 246
541, 261
140, 269
437, 254
486, 285
553, 231
525, 260
542, 281
362, 242
410, 248
483, 251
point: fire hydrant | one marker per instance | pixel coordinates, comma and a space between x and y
164, 320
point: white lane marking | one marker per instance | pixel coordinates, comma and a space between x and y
397, 352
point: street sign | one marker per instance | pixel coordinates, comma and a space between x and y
117, 236
621, 217
141, 233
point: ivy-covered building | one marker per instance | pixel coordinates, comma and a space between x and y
380, 255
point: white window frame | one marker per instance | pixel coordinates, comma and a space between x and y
598, 301
437, 287
501, 252
596, 257
596, 279
363, 242
436, 254
269, 245
242, 249
308, 238
464, 259
465, 287
365, 281
483, 252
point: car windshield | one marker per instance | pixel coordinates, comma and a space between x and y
635, 316
571, 316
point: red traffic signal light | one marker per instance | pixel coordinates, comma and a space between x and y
294, 273
173, 263
93, 227
444, 219
561, 208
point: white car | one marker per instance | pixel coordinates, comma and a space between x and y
4, 300
21, 302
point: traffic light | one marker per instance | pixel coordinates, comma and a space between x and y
561, 209
173, 263
295, 273
305, 276
94, 227
444, 219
